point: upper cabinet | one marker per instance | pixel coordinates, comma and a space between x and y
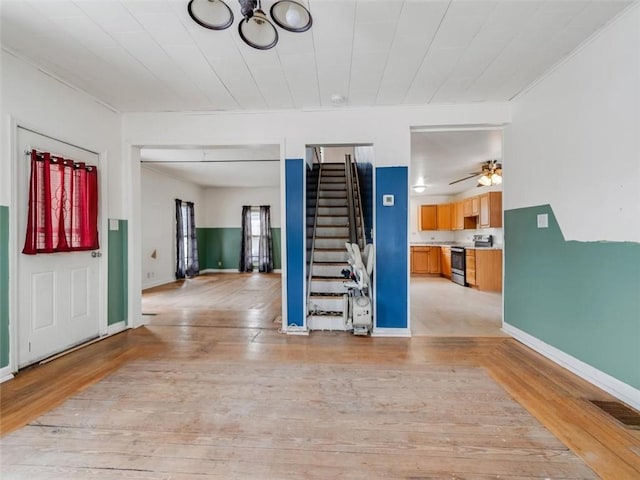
444, 216
482, 211
435, 217
428, 217
490, 210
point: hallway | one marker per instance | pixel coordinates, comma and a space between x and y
211, 389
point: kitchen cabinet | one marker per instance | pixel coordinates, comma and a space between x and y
471, 207
489, 270
470, 259
445, 262
490, 210
443, 219
428, 217
458, 216
425, 260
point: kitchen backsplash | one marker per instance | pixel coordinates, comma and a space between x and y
458, 236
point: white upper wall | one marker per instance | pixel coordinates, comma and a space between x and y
39, 102
223, 206
387, 128
158, 192
575, 139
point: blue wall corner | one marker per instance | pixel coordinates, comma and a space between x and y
295, 235
391, 248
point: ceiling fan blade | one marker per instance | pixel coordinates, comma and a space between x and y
465, 178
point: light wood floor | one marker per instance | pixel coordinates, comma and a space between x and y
442, 308
211, 389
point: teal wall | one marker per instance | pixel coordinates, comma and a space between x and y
118, 259
580, 297
219, 248
4, 286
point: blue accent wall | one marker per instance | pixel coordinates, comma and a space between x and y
392, 248
295, 253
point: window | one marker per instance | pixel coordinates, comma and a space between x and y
255, 236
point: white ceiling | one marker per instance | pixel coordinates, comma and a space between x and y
145, 56
443, 157
232, 166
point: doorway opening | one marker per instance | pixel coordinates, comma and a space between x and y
456, 235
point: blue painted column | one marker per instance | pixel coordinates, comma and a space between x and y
391, 248
295, 235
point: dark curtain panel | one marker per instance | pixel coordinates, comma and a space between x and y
246, 262
192, 264
180, 247
265, 252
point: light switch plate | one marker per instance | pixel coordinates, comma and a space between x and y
114, 225
543, 220
388, 200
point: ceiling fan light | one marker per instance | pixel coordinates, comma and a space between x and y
291, 16
257, 31
484, 180
211, 14
496, 179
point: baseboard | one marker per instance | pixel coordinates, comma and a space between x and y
606, 382
158, 283
116, 328
5, 374
295, 330
231, 270
391, 332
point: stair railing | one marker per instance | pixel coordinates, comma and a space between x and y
348, 171
361, 231
313, 239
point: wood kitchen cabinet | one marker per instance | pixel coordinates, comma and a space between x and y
458, 216
425, 260
471, 207
444, 216
428, 217
490, 210
488, 276
445, 262
470, 259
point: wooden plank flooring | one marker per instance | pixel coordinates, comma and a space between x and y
211, 389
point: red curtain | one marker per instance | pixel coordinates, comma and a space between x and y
63, 206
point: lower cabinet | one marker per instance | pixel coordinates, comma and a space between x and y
489, 270
445, 262
471, 267
425, 260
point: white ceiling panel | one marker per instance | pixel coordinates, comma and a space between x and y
140, 55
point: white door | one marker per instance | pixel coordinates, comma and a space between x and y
58, 293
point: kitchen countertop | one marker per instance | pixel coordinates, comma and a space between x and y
454, 244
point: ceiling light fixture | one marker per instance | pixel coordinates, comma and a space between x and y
420, 186
255, 29
491, 174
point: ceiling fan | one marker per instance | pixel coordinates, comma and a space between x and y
491, 174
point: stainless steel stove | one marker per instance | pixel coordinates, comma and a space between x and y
458, 266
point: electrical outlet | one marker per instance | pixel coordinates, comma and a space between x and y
543, 220
219, 263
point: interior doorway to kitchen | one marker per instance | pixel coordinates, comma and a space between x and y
456, 234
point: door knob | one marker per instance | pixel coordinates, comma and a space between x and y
96, 254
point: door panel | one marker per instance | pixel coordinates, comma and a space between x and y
58, 293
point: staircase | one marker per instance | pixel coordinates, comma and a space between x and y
325, 302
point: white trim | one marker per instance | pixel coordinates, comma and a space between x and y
116, 328
5, 374
606, 382
294, 330
391, 332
